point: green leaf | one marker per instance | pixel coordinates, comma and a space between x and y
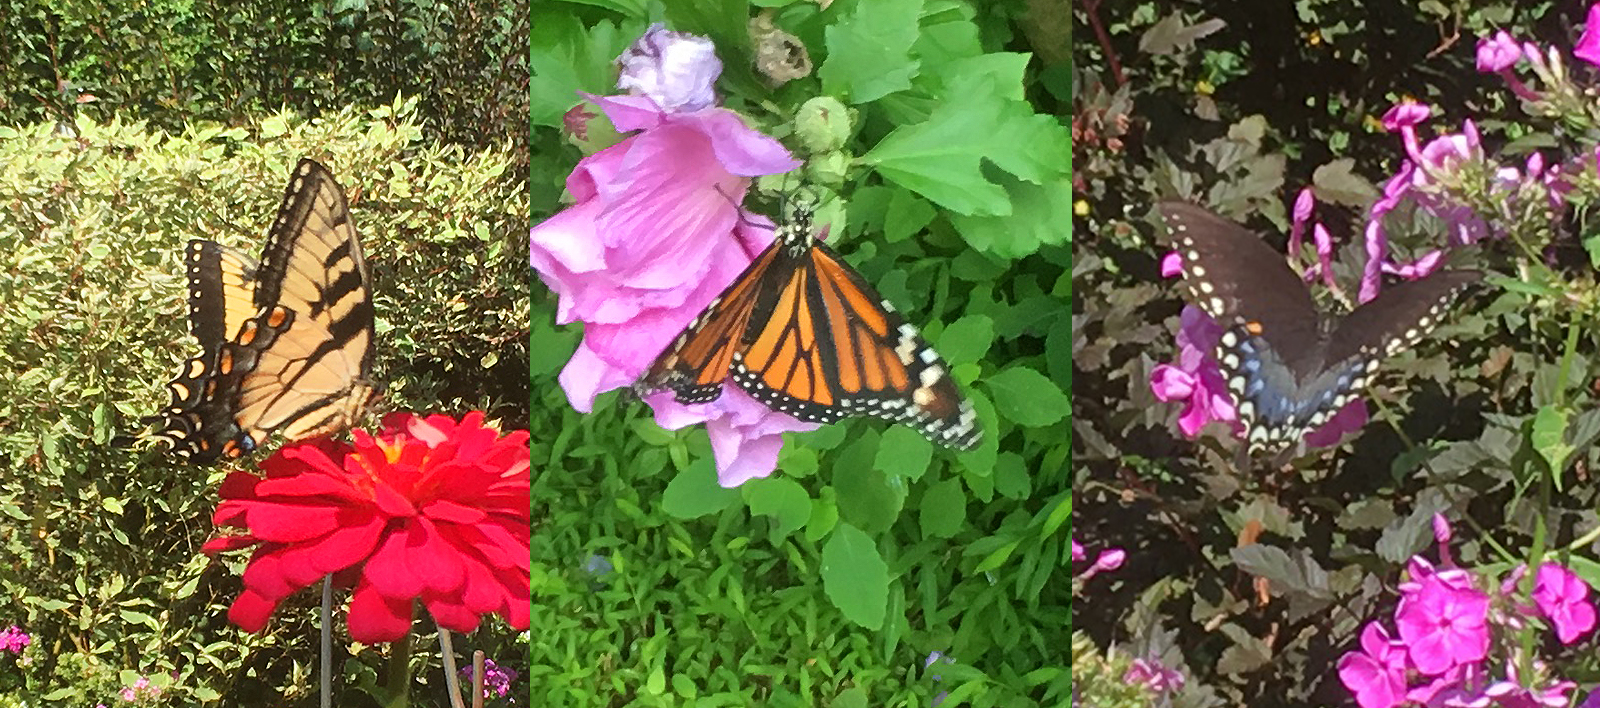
1011, 478
967, 339
1549, 438
940, 158
855, 577
695, 492
781, 498
903, 452
1033, 222
943, 510
866, 497
1026, 397
869, 51
824, 516
566, 59
906, 215
853, 697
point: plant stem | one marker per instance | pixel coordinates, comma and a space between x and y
398, 678
327, 641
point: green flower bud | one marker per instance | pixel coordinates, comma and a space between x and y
823, 124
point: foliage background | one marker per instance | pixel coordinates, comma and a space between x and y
1241, 115
831, 582
198, 111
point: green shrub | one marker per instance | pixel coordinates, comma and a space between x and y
101, 545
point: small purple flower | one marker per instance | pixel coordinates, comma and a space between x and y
676, 70
1588, 47
1443, 622
1377, 673
496, 679
934, 657
1563, 597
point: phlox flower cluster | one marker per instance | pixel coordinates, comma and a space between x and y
141, 690
1455, 643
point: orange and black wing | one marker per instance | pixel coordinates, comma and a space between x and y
804, 334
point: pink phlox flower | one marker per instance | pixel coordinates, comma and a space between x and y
1110, 559
1443, 623
1418, 268
1498, 52
1195, 378
1377, 673
1300, 215
14, 640
1563, 597
1171, 265
654, 236
1078, 554
1511, 693
676, 70
1588, 46
1405, 114
1446, 154
1154, 676
1460, 687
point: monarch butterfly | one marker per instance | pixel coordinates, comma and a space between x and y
301, 327
803, 333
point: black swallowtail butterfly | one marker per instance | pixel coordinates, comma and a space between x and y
1288, 367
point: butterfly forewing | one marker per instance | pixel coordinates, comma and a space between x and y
1233, 275
1399, 317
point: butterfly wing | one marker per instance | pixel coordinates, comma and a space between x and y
831, 346
1239, 280
804, 334
307, 373
222, 285
1398, 317
697, 363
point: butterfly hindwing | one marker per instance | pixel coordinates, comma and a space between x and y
804, 334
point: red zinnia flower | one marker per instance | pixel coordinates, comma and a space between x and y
430, 509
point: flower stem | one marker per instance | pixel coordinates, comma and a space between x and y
398, 681
452, 683
327, 641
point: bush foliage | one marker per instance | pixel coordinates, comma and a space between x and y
102, 566
832, 582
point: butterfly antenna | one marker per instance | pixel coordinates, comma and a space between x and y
740, 210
